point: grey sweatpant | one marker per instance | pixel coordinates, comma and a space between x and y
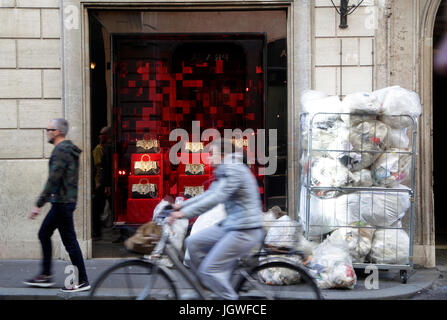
214, 253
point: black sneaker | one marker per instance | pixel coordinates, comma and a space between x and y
40, 281
83, 286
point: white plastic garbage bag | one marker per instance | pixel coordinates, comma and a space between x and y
361, 103
326, 215
332, 265
358, 237
284, 233
400, 101
326, 172
383, 208
391, 168
209, 218
398, 138
368, 136
309, 95
380, 94
378, 208
280, 276
331, 142
362, 106
390, 246
331, 105
205, 220
362, 178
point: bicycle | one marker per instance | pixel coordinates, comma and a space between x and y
149, 278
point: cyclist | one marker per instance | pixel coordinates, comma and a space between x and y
214, 252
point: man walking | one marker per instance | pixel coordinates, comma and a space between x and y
61, 190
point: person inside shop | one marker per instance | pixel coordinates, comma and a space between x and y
214, 251
102, 159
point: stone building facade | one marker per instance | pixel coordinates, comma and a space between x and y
44, 74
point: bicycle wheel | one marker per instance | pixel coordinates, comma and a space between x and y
253, 285
134, 279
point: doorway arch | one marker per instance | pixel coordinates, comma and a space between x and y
425, 232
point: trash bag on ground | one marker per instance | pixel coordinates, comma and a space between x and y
332, 265
359, 238
270, 217
391, 168
284, 233
390, 246
280, 276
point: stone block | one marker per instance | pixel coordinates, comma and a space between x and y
20, 23
37, 53
38, 4
37, 113
325, 80
8, 111
325, 22
26, 179
21, 144
20, 83
7, 53
51, 23
357, 79
52, 80
7, 3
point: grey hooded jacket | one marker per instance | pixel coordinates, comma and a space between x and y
237, 189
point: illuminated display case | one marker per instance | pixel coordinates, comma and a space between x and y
163, 82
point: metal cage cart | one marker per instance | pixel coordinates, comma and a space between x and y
357, 179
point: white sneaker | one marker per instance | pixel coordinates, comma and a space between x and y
84, 286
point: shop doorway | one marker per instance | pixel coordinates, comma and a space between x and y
439, 113
155, 78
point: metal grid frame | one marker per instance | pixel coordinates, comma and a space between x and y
305, 184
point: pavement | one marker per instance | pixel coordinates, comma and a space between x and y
13, 272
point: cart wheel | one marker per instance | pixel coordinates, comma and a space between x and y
403, 276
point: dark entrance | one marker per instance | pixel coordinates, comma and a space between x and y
439, 135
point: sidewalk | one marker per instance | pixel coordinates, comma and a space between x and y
13, 272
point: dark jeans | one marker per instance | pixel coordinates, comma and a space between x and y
61, 217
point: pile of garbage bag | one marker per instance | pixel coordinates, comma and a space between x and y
363, 141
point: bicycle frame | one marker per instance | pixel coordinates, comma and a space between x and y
164, 247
